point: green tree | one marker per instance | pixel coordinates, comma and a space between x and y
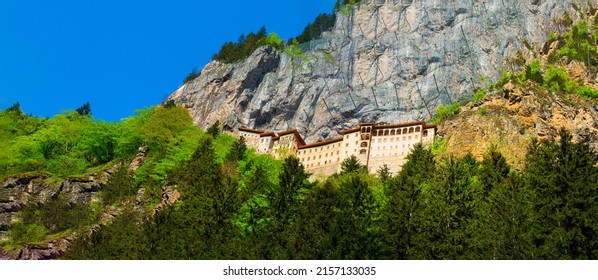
84, 110
237, 152
215, 129
284, 200
316, 230
15, 108
352, 165
162, 126
564, 179
404, 202
356, 236
192, 75
120, 185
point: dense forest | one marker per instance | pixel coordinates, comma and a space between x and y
245, 208
235, 204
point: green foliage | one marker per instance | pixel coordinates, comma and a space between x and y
439, 146
56, 215
274, 40
443, 112
15, 108
192, 75
533, 71
504, 79
587, 92
352, 165
23, 234
84, 110
293, 51
120, 185
237, 152
215, 129
170, 104
322, 23
162, 127
564, 178
578, 44
479, 95
239, 51
123, 239
557, 78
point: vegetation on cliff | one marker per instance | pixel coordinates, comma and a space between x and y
456, 208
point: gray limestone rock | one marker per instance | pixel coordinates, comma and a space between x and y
385, 61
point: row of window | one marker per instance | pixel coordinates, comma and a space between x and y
312, 150
405, 138
396, 131
320, 156
319, 163
250, 135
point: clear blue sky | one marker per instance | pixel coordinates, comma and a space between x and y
123, 55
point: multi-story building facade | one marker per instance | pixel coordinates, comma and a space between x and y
373, 145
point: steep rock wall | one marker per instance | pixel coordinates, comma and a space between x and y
384, 61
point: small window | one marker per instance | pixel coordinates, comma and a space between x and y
363, 151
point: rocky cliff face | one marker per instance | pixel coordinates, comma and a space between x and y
20, 190
384, 61
511, 117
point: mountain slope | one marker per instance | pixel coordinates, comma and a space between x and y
385, 62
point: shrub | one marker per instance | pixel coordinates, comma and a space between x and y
192, 75
504, 79
23, 234
245, 45
533, 71
479, 95
274, 40
587, 92
443, 112
557, 78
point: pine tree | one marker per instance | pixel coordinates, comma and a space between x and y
215, 129
84, 110
564, 178
352, 165
404, 202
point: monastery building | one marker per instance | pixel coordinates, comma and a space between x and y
373, 145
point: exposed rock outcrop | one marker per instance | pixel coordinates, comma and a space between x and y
384, 61
511, 117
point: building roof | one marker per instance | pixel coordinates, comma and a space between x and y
431, 125
399, 125
266, 134
351, 130
322, 143
242, 128
296, 133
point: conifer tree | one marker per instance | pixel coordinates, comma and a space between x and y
564, 178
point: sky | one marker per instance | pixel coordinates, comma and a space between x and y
123, 55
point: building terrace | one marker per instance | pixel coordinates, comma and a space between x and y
372, 144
